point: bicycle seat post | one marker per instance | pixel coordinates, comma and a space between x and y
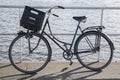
78, 23
79, 26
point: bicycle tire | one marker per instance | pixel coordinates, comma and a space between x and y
41, 58
86, 58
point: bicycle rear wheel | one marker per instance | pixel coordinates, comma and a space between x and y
94, 50
28, 61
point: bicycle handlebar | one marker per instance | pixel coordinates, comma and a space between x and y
61, 7
49, 11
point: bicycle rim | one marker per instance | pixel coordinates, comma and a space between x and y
91, 58
27, 62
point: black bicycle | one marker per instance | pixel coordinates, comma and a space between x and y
30, 51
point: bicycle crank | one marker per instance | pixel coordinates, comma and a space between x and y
68, 57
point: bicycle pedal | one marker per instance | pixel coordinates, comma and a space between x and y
71, 63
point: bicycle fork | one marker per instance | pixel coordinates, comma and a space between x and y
28, 37
29, 45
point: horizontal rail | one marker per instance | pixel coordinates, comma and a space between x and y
67, 7
58, 34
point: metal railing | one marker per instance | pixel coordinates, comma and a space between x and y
102, 9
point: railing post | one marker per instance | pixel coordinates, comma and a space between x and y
19, 17
101, 21
20, 39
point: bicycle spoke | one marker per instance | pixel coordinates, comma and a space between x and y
29, 62
97, 56
103, 46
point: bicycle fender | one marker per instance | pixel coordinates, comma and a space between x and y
111, 42
20, 33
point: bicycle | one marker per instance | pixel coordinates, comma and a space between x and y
93, 49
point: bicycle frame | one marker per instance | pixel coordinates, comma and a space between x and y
55, 40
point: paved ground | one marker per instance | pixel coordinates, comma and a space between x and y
61, 71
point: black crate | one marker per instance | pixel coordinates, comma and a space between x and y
32, 19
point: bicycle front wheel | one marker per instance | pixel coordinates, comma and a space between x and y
29, 56
94, 50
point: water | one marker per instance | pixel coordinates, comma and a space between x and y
9, 21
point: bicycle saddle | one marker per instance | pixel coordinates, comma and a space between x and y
80, 18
